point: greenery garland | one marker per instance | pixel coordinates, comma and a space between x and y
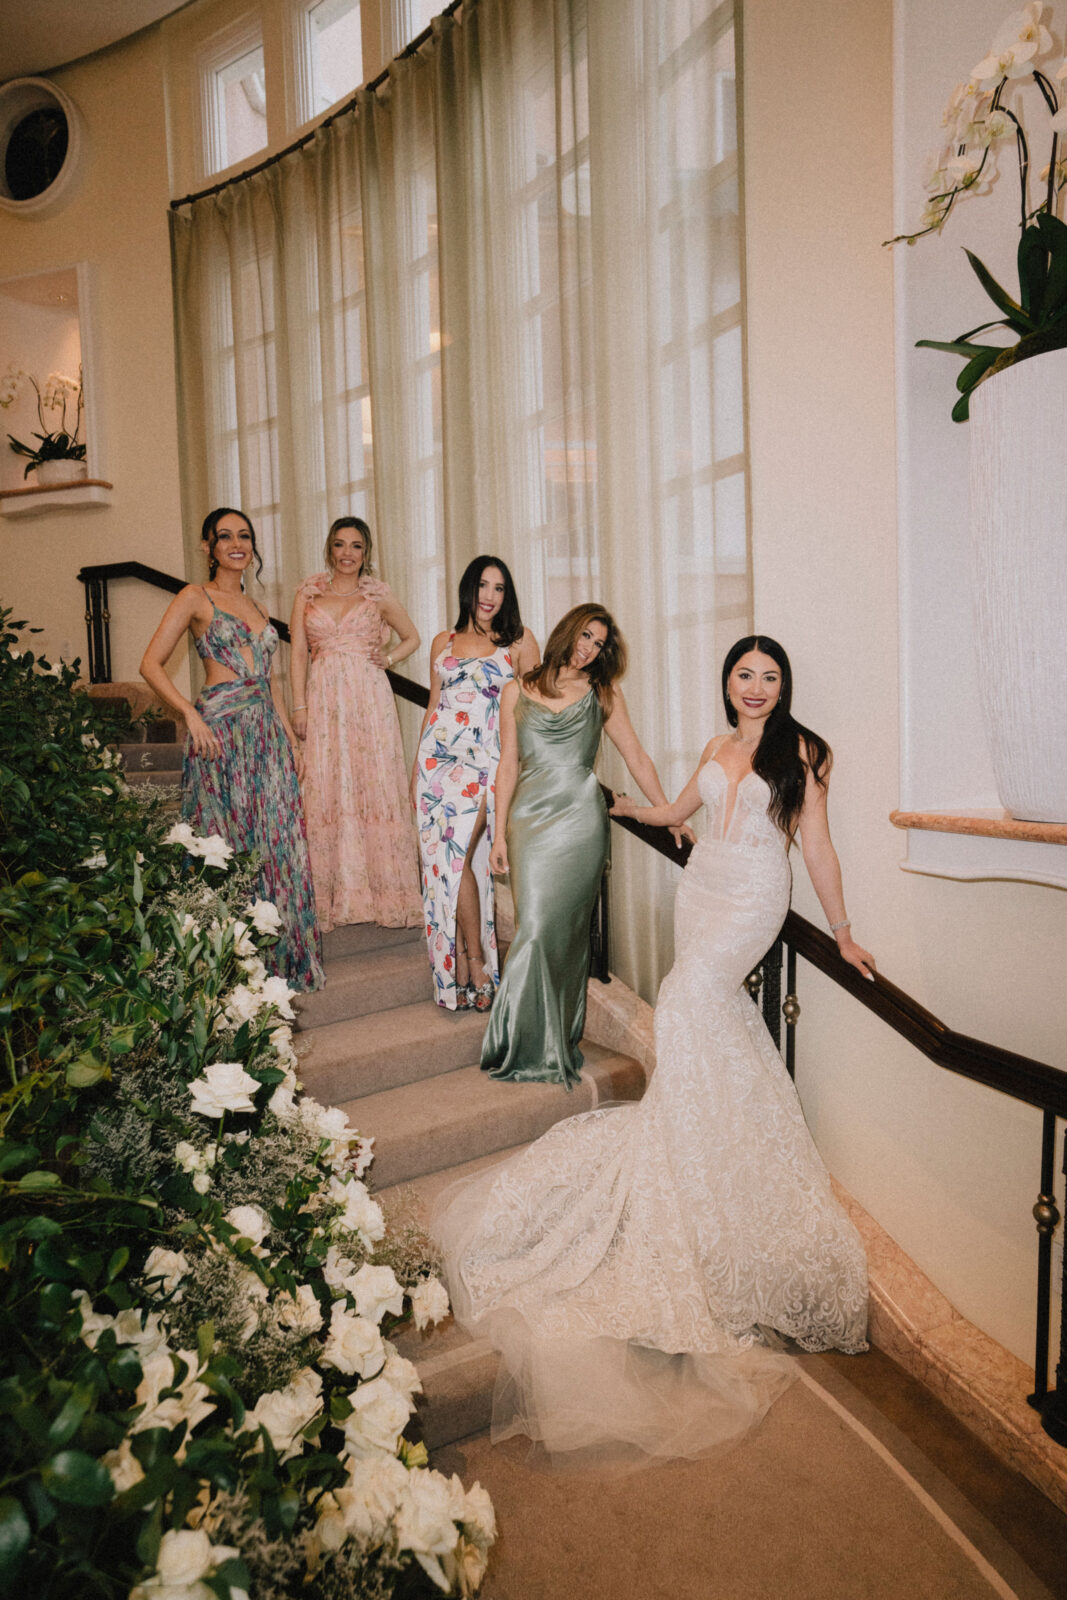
199, 1396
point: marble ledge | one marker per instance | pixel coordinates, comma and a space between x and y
983, 823
983, 1384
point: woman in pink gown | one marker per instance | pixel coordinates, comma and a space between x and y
364, 851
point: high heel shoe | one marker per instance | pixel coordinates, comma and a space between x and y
464, 996
482, 995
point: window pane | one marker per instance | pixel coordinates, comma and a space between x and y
242, 95
337, 50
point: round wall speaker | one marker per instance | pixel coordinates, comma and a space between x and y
42, 146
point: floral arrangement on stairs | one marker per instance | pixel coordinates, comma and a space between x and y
199, 1399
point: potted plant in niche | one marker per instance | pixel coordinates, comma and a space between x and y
1018, 411
59, 455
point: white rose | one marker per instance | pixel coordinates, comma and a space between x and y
424, 1522
281, 1039
286, 1412
379, 1416
255, 971
479, 1518
181, 833
338, 1270
301, 1311
169, 1265
124, 1467
377, 1291
201, 1182
93, 1323
224, 1086
277, 993
242, 1004
429, 1301
189, 925
283, 1105
400, 1372
146, 1336
186, 1556
250, 1222
361, 1214
465, 1567
214, 849
243, 942
362, 1156
265, 917
190, 1404
327, 1122
369, 1499
353, 1344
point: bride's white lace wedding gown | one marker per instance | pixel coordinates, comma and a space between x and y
637, 1263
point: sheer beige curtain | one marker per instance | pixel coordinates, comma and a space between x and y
498, 307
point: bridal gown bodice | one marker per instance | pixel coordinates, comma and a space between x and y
695, 1221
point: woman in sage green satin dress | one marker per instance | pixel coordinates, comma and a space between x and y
552, 833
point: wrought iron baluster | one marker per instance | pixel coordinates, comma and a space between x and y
1054, 1403
791, 1011
600, 960
97, 629
1046, 1215
772, 992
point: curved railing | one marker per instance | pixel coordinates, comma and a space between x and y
1032, 1082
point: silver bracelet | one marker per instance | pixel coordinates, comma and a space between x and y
845, 923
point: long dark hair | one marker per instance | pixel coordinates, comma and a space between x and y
367, 569
777, 758
507, 624
209, 533
609, 665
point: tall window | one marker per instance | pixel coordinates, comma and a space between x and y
335, 42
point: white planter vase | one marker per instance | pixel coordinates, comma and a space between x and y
66, 471
1018, 430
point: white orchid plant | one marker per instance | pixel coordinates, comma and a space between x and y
978, 122
59, 441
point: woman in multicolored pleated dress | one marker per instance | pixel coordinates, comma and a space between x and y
239, 775
453, 776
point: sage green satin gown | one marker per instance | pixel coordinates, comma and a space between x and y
557, 846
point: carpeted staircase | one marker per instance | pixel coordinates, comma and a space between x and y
407, 1073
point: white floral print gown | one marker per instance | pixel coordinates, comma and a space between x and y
458, 755
636, 1264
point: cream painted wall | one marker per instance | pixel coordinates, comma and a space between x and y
118, 223
948, 1168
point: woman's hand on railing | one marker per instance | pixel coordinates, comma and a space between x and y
855, 954
498, 858
205, 742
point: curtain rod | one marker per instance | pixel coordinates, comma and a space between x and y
306, 138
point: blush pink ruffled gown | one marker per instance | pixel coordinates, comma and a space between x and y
364, 848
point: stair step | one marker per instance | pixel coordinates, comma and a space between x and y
155, 757
456, 1116
343, 1061
370, 982
356, 937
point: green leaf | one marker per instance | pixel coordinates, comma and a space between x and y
1033, 271
86, 1071
962, 409
77, 1479
40, 1179
14, 1156
205, 1342
1055, 234
955, 347
15, 1535
1014, 312
340, 1407
976, 369
66, 1424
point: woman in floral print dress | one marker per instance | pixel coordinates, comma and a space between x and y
452, 780
239, 777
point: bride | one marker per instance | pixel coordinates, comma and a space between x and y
639, 1266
